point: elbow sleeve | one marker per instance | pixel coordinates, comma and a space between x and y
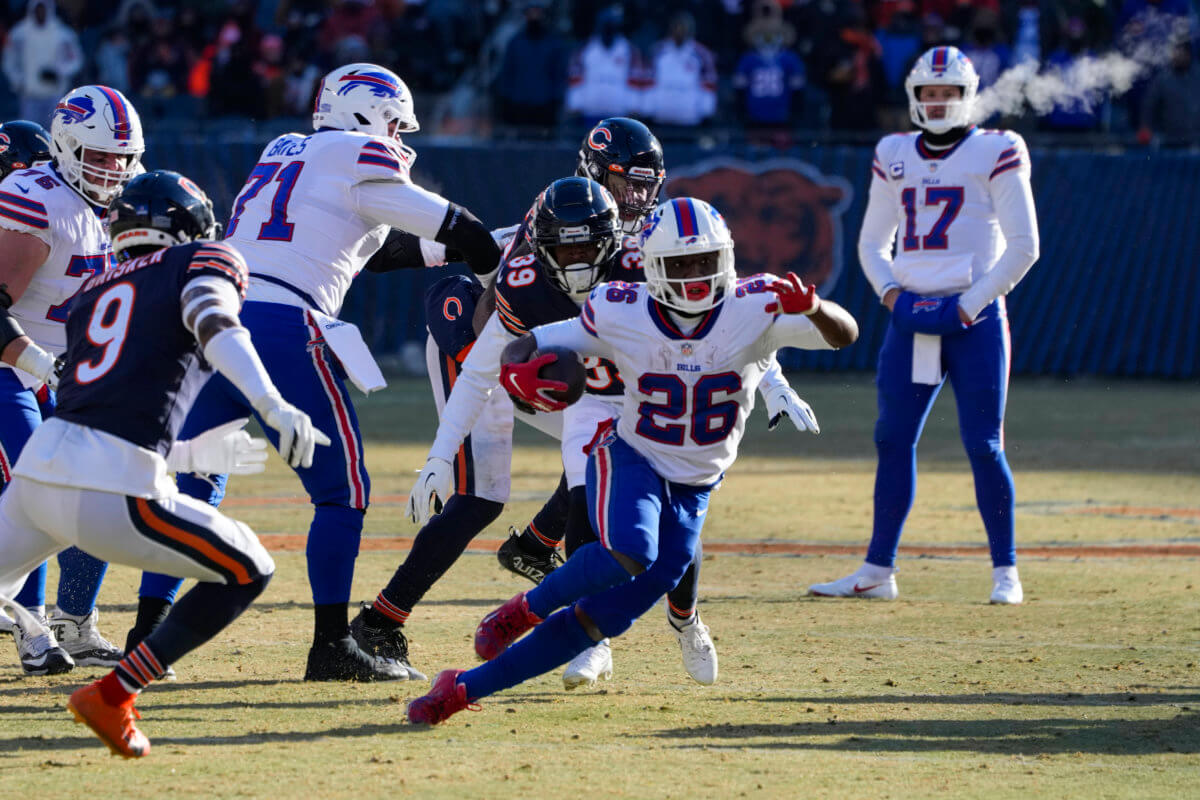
464, 233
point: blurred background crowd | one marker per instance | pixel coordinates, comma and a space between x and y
781, 71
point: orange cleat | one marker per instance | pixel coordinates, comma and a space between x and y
113, 724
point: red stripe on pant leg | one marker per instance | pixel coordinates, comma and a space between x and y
602, 495
5, 472
349, 443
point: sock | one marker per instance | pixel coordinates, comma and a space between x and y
332, 548
134, 672
437, 546
331, 622
151, 612
115, 691
33, 593
383, 615
681, 601
163, 587
579, 524
205, 610
875, 572
589, 570
552, 643
79, 581
546, 529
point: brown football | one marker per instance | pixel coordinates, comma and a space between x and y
567, 368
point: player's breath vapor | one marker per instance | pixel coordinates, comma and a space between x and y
1080, 85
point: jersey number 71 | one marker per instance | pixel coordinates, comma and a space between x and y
276, 228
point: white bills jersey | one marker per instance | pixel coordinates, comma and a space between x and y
945, 208
316, 207
37, 202
687, 395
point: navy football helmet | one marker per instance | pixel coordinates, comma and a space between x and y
159, 209
575, 234
22, 144
623, 156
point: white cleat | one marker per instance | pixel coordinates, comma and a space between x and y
1006, 587
80, 636
868, 582
591, 665
7, 624
38, 650
699, 652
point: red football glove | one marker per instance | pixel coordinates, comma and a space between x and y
523, 383
793, 297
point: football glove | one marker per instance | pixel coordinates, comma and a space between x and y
937, 316
433, 488
226, 449
793, 297
525, 386
40, 364
297, 436
782, 401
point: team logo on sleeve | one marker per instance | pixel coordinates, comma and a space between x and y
785, 215
77, 109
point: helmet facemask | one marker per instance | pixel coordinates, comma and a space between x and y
576, 262
940, 115
636, 192
693, 281
942, 66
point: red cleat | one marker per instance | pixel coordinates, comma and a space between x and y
113, 724
446, 698
504, 626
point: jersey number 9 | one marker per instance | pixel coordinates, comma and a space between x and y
107, 328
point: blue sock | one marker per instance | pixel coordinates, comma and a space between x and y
163, 587
332, 548
995, 495
80, 576
33, 593
590, 569
553, 643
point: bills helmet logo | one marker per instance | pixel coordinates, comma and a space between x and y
75, 109
784, 214
379, 84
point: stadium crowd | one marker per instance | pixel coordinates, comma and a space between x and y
768, 66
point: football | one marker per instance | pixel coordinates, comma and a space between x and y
568, 368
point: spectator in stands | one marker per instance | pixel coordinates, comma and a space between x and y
770, 78
682, 86
1151, 26
533, 74
850, 65
606, 75
1171, 110
349, 18
112, 60
987, 52
1080, 114
161, 69
900, 44
41, 58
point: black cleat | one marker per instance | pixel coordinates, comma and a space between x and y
513, 556
385, 643
344, 660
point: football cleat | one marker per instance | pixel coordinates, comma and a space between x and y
699, 652
115, 725
39, 651
386, 643
80, 636
1006, 587
344, 660
860, 584
591, 665
446, 697
7, 624
519, 561
504, 626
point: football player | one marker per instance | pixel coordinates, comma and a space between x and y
312, 213
53, 238
140, 337
955, 201
692, 344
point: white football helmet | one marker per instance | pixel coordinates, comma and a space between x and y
682, 227
95, 119
364, 97
942, 66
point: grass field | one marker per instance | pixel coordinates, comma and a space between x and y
1091, 689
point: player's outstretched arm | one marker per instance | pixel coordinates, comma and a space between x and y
23, 254
834, 323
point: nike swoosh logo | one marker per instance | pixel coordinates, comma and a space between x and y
512, 379
859, 589
22, 188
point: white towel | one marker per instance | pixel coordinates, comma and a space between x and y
346, 342
927, 359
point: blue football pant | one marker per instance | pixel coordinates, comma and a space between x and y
976, 362
80, 575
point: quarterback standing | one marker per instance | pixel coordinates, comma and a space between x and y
956, 202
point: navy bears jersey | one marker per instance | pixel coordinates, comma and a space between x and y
449, 307
525, 298
132, 369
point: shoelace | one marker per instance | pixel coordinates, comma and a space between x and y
40, 643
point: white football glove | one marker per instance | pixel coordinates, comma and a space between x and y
225, 449
40, 364
783, 401
297, 436
434, 487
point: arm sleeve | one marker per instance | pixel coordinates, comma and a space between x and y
1012, 197
571, 333
772, 377
401, 205
481, 371
878, 232
231, 353
792, 330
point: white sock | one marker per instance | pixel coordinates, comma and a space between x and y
1005, 572
875, 572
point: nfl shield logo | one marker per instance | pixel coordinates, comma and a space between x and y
687, 349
